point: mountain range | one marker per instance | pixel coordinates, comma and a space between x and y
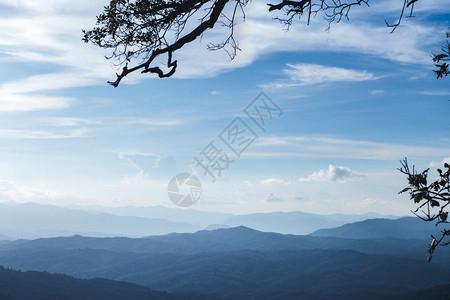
243, 263
31, 221
256, 256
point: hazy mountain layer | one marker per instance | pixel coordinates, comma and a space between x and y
241, 263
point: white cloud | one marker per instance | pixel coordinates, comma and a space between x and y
53, 37
10, 191
261, 35
10, 102
271, 141
435, 93
248, 183
330, 147
150, 122
270, 181
31, 134
378, 92
306, 74
126, 156
67, 121
149, 164
333, 174
441, 163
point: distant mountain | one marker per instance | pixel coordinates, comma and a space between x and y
281, 222
232, 239
32, 285
293, 222
34, 220
220, 240
404, 228
4, 237
217, 226
241, 263
187, 215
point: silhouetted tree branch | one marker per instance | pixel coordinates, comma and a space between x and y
147, 29
333, 11
407, 4
443, 68
151, 28
432, 199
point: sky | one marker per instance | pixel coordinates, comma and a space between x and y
346, 106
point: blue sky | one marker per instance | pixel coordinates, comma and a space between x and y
355, 101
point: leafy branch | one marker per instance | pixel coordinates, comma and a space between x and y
147, 29
432, 199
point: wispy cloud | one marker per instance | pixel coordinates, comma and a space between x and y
51, 37
307, 74
31, 134
330, 147
378, 92
270, 181
67, 121
441, 163
70, 121
29, 94
333, 173
435, 93
150, 122
127, 156
10, 191
260, 35
15, 102
149, 164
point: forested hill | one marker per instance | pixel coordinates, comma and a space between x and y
31, 285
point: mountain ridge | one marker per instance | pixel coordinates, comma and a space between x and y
32, 220
33, 285
405, 227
